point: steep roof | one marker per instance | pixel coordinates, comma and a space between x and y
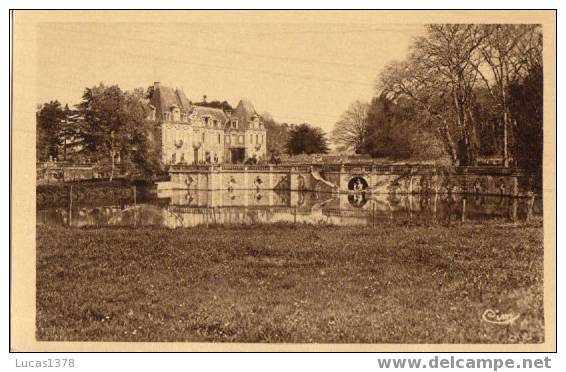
163, 98
214, 113
186, 104
244, 112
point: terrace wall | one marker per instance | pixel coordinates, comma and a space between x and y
336, 178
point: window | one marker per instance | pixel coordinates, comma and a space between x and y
219, 138
183, 117
182, 157
234, 123
203, 137
215, 123
206, 120
256, 141
176, 114
167, 116
251, 138
227, 139
173, 158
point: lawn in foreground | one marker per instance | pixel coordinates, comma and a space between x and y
387, 284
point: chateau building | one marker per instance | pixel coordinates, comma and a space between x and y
188, 133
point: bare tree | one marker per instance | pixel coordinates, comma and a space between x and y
408, 79
440, 77
351, 130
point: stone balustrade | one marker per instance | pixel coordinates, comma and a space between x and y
370, 177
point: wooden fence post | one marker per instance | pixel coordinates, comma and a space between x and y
449, 209
373, 214
530, 207
514, 205
70, 204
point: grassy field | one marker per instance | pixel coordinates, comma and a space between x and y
282, 284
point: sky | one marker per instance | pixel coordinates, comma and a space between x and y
297, 70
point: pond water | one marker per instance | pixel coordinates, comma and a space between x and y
184, 208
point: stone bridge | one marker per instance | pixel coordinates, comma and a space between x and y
344, 178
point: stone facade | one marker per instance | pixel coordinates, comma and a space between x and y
346, 179
191, 134
245, 134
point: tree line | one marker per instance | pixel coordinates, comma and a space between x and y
294, 139
109, 126
464, 92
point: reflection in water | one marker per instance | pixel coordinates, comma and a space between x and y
357, 199
191, 208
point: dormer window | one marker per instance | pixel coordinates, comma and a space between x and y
255, 121
234, 123
176, 113
184, 117
166, 116
206, 120
215, 123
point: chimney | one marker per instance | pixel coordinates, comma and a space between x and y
156, 85
204, 98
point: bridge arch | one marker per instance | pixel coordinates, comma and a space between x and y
357, 183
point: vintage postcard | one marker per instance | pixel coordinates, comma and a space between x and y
283, 180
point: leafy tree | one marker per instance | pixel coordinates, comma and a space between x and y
507, 54
526, 104
49, 117
394, 130
351, 130
277, 134
144, 150
487, 124
115, 126
305, 139
223, 105
68, 131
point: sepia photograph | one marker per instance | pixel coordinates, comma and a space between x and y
284, 178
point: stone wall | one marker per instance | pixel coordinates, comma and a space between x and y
54, 173
344, 179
